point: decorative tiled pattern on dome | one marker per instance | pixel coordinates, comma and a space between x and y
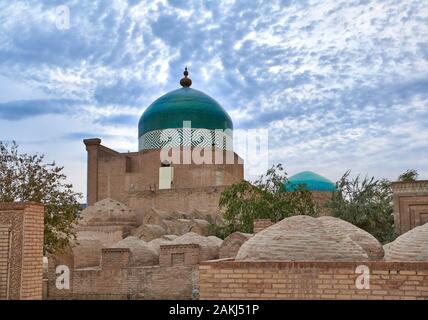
184, 105
159, 139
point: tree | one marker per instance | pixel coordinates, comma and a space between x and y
366, 203
409, 176
26, 177
265, 198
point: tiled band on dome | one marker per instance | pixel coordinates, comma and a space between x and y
172, 138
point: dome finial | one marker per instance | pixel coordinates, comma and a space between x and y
185, 82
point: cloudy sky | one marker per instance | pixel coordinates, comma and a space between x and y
339, 84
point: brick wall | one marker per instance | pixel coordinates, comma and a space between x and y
152, 282
65, 258
4, 260
410, 204
261, 224
204, 199
113, 281
87, 253
321, 198
113, 175
179, 254
115, 258
21, 250
311, 280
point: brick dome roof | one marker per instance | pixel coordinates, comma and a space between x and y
142, 253
108, 212
209, 245
304, 238
410, 246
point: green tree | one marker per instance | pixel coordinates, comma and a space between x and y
366, 203
409, 176
242, 202
26, 177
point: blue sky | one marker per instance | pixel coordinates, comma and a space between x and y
339, 84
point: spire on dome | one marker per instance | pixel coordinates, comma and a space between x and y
185, 82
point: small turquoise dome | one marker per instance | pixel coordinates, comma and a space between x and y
310, 181
184, 104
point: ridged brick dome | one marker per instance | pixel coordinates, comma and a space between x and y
410, 246
108, 212
304, 238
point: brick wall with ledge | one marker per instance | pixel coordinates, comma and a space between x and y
229, 279
179, 254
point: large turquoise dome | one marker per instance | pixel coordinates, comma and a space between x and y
169, 111
310, 181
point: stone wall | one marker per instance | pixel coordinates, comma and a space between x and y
410, 204
311, 280
21, 250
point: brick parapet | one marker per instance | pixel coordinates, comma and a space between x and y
115, 258
179, 254
312, 280
410, 187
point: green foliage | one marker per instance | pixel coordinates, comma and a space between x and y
243, 202
366, 203
409, 176
26, 177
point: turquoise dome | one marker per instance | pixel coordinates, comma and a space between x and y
310, 181
185, 104
161, 125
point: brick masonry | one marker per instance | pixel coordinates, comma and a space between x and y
115, 280
311, 280
114, 175
261, 224
21, 250
115, 258
321, 198
410, 204
179, 254
204, 199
